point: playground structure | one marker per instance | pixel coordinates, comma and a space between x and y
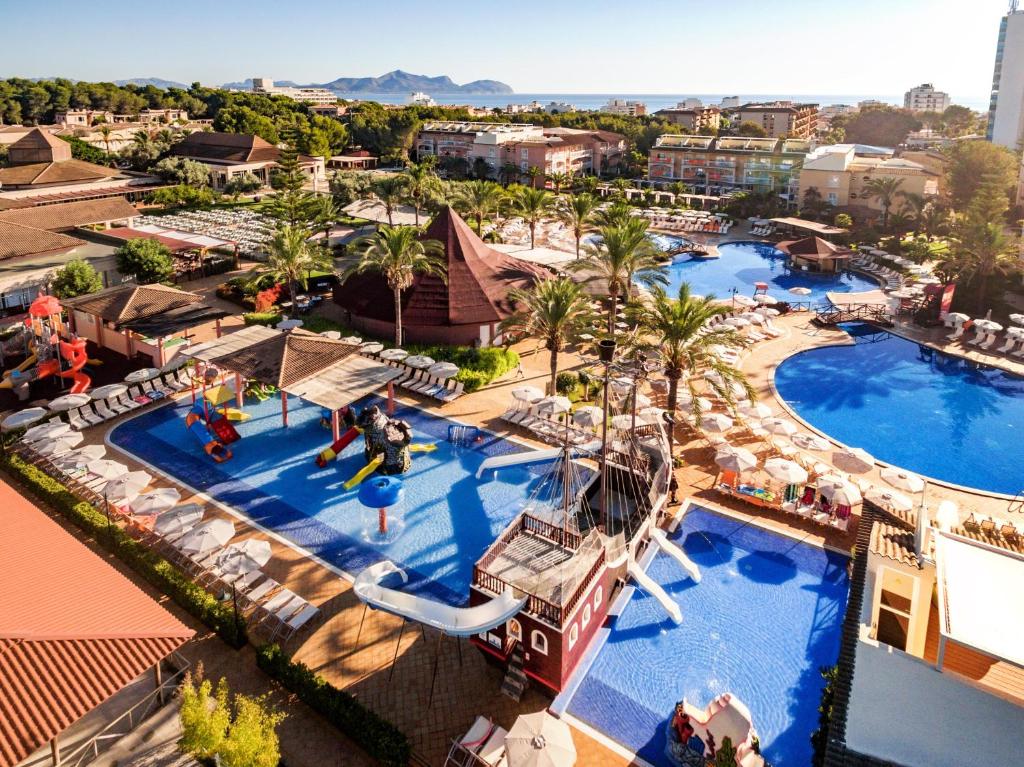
212, 428
694, 736
48, 353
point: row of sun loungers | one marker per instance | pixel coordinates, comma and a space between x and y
548, 429
762, 231
141, 394
993, 528
893, 279
421, 382
817, 511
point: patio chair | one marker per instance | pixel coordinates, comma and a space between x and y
249, 600
128, 402
493, 751
170, 381
272, 606
454, 392
91, 416
1009, 532
76, 420
138, 395
294, 624
104, 411
979, 336
988, 342
116, 405
956, 333
988, 526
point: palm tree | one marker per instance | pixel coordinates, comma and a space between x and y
478, 199
915, 205
616, 214
621, 185
985, 249
577, 211
419, 181
558, 180
674, 327
900, 221
534, 205
291, 257
884, 190
934, 220
327, 214
556, 310
389, 191
509, 173
625, 255
398, 256
105, 132
532, 172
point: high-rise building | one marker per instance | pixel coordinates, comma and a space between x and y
624, 107
1006, 107
924, 98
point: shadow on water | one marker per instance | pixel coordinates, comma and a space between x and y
769, 567
707, 548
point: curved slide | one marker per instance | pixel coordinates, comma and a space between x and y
515, 459
455, 621
364, 472
649, 585
211, 446
659, 539
74, 351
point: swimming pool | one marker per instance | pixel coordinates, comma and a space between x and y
765, 617
936, 414
447, 517
741, 264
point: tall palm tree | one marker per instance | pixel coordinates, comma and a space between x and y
419, 181
327, 214
616, 214
623, 256
291, 257
509, 173
558, 180
105, 132
389, 191
398, 256
556, 310
578, 212
478, 199
532, 173
884, 190
674, 327
534, 205
934, 220
915, 205
985, 250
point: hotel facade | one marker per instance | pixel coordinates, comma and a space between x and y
780, 119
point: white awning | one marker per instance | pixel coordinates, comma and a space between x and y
344, 382
979, 602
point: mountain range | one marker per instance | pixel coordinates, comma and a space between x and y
395, 82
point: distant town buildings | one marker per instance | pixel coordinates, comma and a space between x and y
227, 155
828, 113
690, 103
1006, 107
420, 99
625, 107
924, 98
91, 117
695, 120
729, 102
266, 86
871, 104
534, 107
780, 119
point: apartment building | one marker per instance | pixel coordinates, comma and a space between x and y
698, 119
266, 86
924, 98
780, 119
1006, 107
624, 107
726, 164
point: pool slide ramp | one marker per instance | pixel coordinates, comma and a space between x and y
454, 621
364, 472
649, 585
515, 459
659, 539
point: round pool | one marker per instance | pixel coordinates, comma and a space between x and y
742, 264
942, 416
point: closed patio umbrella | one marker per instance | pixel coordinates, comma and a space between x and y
394, 355
528, 394
178, 519
208, 536
783, 470
735, 459
589, 416
904, 480
23, 418
126, 486
420, 361
58, 445
854, 460
539, 740
244, 557
50, 430
716, 422
155, 501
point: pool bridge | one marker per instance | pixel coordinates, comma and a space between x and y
876, 314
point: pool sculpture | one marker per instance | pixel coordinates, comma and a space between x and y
696, 737
387, 439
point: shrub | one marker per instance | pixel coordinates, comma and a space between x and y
270, 319
377, 736
147, 260
252, 739
477, 367
76, 278
204, 716
819, 738
566, 382
154, 568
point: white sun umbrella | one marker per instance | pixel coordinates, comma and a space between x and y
78, 459
23, 418
178, 519
736, 459
208, 536
110, 390
686, 402
780, 426
741, 300
553, 405
904, 480
589, 416
288, 324
175, 363
334, 335
800, 291
68, 401
642, 400
394, 355
50, 430
889, 498
843, 493
767, 311
126, 486
765, 298
539, 740
58, 445
854, 460
529, 394
651, 414
622, 422
420, 361
810, 441
155, 501
1018, 318
142, 374
103, 468
754, 318
786, 471
244, 557
443, 369
716, 422
373, 347
756, 410
737, 322
621, 384
988, 326
353, 340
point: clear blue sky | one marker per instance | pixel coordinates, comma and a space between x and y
576, 46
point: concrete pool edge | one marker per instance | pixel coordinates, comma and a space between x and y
977, 491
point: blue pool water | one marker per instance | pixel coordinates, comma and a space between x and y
765, 617
942, 416
449, 516
742, 264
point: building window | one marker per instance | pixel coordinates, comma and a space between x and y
598, 597
586, 615
539, 642
833, 198
574, 634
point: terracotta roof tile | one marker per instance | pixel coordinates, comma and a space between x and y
17, 241
125, 303
68, 215
63, 172
894, 542
286, 359
226, 147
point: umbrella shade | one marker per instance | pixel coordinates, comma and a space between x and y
353, 340
800, 291
651, 414
49, 430
890, 499
903, 480
208, 536
842, 493
736, 459
419, 361
78, 459
443, 369
764, 298
244, 557
289, 324
810, 441
754, 318
68, 401
737, 322
334, 335
23, 418
374, 347
716, 422
155, 501
219, 395
743, 301
44, 306
108, 391
104, 469
988, 326
529, 394
786, 471
622, 422
589, 416
553, 405
394, 354
59, 445
1018, 318
178, 520
144, 374
756, 410
854, 460
782, 426
126, 486
539, 740
175, 363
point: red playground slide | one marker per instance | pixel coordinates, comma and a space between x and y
332, 452
75, 352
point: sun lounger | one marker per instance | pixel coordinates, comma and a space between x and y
76, 420
454, 392
103, 410
116, 405
91, 416
277, 604
1010, 341
294, 624
128, 402
988, 342
249, 600
956, 334
978, 338
493, 750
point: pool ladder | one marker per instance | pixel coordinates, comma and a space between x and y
1017, 504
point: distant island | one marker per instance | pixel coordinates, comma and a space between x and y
159, 82
394, 82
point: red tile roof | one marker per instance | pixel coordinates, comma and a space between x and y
73, 630
70, 215
128, 302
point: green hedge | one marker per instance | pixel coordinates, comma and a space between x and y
270, 319
374, 734
219, 616
477, 367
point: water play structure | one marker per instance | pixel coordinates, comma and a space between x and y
695, 736
212, 429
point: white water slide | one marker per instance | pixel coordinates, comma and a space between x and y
661, 540
455, 621
649, 585
515, 459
